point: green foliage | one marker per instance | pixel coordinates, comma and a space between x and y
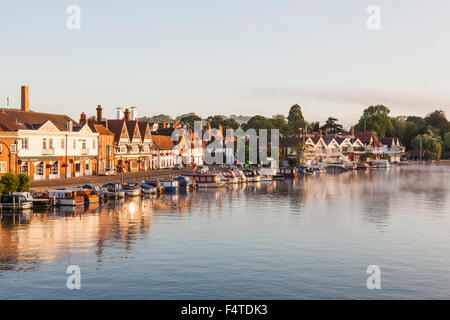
331, 126
295, 119
431, 146
447, 139
157, 118
10, 182
437, 120
299, 150
375, 118
257, 122
24, 182
225, 122
2, 188
191, 119
279, 122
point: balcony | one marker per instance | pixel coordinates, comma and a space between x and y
48, 152
85, 151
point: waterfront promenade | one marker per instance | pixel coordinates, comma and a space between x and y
122, 177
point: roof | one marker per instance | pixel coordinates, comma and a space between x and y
115, 126
366, 137
16, 119
290, 141
163, 142
99, 128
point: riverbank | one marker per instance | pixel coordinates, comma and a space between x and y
45, 185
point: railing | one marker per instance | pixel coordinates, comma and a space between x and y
48, 151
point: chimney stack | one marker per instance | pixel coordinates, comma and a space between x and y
175, 124
99, 113
133, 113
352, 131
127, 114
83, 119
164, 124
25, 99
119, 113
69, 125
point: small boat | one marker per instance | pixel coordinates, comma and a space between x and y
90, 196
170, 185
16, 201
67, 197
114, 190
185, 183
252, 175
381, 163
205, 180
95, 189
288, 172
155, 183
229, 176
132, 189
241, 176
147, 189
42, 200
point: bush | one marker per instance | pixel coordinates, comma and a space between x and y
24, 182
2, 187
10, 182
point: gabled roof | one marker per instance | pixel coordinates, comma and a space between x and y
15, 119
290, 141
367, 137
162, 142
99, 128
116, 126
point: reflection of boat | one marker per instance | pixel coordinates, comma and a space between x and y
67, 197
16, 201
114, 190
132, 189
170, 185
241, 176
205, 180
90, 196
252, 175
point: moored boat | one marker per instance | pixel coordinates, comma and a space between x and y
147, 189
16, 201
114, 190
170, 185
185, 183
288, 172
67, 197
252, 175
205, 180
132, 189
229, 176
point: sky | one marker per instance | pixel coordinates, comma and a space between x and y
227, 57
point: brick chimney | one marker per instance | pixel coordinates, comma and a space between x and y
83, 119
99, 113
175, 124
164, 124
69, 125
352, 131
126, 114
25, 99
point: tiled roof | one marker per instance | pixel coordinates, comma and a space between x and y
15, 119
162, 142
99, 128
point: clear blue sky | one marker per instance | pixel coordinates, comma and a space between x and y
227, 57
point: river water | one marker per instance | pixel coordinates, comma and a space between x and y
308, 238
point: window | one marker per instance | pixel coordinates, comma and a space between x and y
24, 168
77, 167
13, 148
93, 144
44, 143
40, 169
24, 143
50, 143
3, 167
74, 143
83, 144
63, 144
54, 169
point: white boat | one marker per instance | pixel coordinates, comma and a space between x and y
17, 201
229, 176
381, 163
241, 176
252, 175
205, 180
67, 197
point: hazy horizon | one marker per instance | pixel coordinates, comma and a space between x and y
256, 57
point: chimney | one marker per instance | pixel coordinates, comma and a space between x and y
119, 113
352, 131
83, 119
126, 114
133, 113
221, 129
25, 99
69, 125
175, 124
99, 113
164, 124
320, 132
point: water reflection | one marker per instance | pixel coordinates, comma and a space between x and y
341, 207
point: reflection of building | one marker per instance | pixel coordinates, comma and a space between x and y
48, 146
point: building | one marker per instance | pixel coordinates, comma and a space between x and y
393, 148
48, 146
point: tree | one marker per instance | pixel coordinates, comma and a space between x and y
257, 122
226, 123
431, 147
10, 182
191, 119
314, 126
279, 122
24, 182
331, 126
295, 119
447, 139
375, 118
437, 119
299, 150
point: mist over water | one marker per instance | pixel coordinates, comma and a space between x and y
309, 238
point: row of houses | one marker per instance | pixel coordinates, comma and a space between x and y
51, 146
343, 147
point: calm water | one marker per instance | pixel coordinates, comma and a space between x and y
310, 238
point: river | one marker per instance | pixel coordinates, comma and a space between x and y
308, 238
